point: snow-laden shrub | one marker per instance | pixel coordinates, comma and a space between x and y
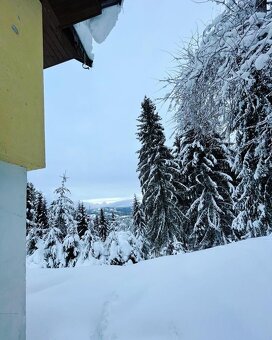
32, 240
123, 247
36, 259
86, 244
99, 251
53, 251
175, 247
71, 247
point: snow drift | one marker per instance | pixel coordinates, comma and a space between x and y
222, 293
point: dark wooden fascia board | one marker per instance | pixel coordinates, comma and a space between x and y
109, 3
60, 40
60, 45
70, 12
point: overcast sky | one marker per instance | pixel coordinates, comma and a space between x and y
91, 115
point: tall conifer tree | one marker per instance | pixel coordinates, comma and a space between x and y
157, 170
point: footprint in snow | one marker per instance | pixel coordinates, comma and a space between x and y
102, 329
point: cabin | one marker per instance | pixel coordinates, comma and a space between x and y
34, 35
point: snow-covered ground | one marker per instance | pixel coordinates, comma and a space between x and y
224, 293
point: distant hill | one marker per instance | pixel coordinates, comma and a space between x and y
117, 204
120, 211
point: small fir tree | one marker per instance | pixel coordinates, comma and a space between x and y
82, 219
95, 227
103, 228
62, 208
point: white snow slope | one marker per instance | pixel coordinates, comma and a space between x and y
224, 293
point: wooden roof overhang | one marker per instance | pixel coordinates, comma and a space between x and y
60, 40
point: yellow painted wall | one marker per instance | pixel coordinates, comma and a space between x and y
21, 84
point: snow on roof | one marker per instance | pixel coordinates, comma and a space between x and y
97, 28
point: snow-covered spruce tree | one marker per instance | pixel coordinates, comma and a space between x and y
41, 218
103, 227
71, 246
62, 208
96, 225
53, 253
156, 173
206, 172
31, 197
113, 222
98, 250
82, 219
